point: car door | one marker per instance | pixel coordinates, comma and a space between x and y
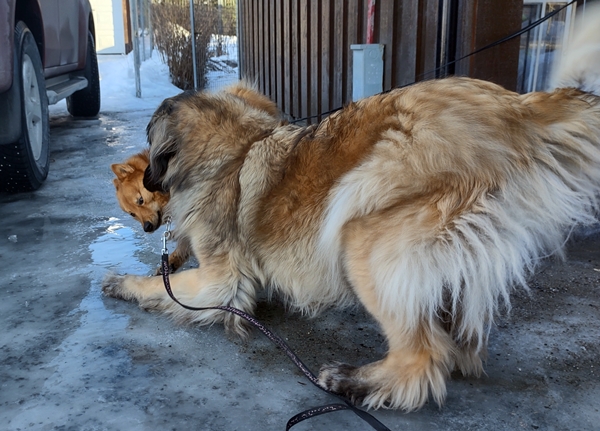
69, 31
50, 18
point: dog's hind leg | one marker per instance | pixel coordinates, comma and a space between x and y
209, 286
420, 352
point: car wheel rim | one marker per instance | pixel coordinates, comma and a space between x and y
33, 107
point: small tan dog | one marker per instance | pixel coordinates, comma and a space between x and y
143, 205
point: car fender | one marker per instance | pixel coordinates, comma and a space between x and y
10, 102
7, 29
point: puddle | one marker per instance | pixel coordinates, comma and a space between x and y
89, 359
116, 250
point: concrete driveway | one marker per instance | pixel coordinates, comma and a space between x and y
71, 359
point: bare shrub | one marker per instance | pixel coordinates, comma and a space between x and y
226, 25
172, 37
228, 18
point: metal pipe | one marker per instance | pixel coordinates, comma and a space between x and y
136, 47
151, 27
241, 60
370, 21
142, 9
193, 36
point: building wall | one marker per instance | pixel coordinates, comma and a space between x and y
298, 52
483, 22
110, 29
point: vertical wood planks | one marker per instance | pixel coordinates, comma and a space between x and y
298, 51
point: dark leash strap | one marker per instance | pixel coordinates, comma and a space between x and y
278, 341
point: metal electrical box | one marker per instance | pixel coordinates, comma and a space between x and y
367, 70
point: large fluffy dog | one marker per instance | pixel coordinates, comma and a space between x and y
427, 204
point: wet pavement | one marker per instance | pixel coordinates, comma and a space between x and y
71, 359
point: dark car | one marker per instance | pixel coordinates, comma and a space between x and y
47, 53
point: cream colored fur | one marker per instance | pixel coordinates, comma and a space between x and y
427, 204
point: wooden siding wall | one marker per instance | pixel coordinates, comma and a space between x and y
483, 22
298, 51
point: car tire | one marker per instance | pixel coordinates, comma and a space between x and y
24, 164
86, 102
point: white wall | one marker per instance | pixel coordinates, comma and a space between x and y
110, 30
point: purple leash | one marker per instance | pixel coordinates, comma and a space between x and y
278, 341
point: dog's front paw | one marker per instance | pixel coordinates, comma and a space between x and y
343, 380
112, 285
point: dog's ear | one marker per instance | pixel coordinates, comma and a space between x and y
164, 110
155, 172
122, 170
149, 183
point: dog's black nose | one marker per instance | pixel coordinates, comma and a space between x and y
148, 227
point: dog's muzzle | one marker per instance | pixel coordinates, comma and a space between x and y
151, 227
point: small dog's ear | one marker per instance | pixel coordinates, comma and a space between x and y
122, 170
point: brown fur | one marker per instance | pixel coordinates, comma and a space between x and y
427, 204
146, 207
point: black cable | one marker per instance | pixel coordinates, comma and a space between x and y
498, 42
477, 51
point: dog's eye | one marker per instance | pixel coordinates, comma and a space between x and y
132, 215
140, 201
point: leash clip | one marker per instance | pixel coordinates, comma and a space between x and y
166, 234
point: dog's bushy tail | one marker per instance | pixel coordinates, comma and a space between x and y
579, 66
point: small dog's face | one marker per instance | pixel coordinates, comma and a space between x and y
145, 206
